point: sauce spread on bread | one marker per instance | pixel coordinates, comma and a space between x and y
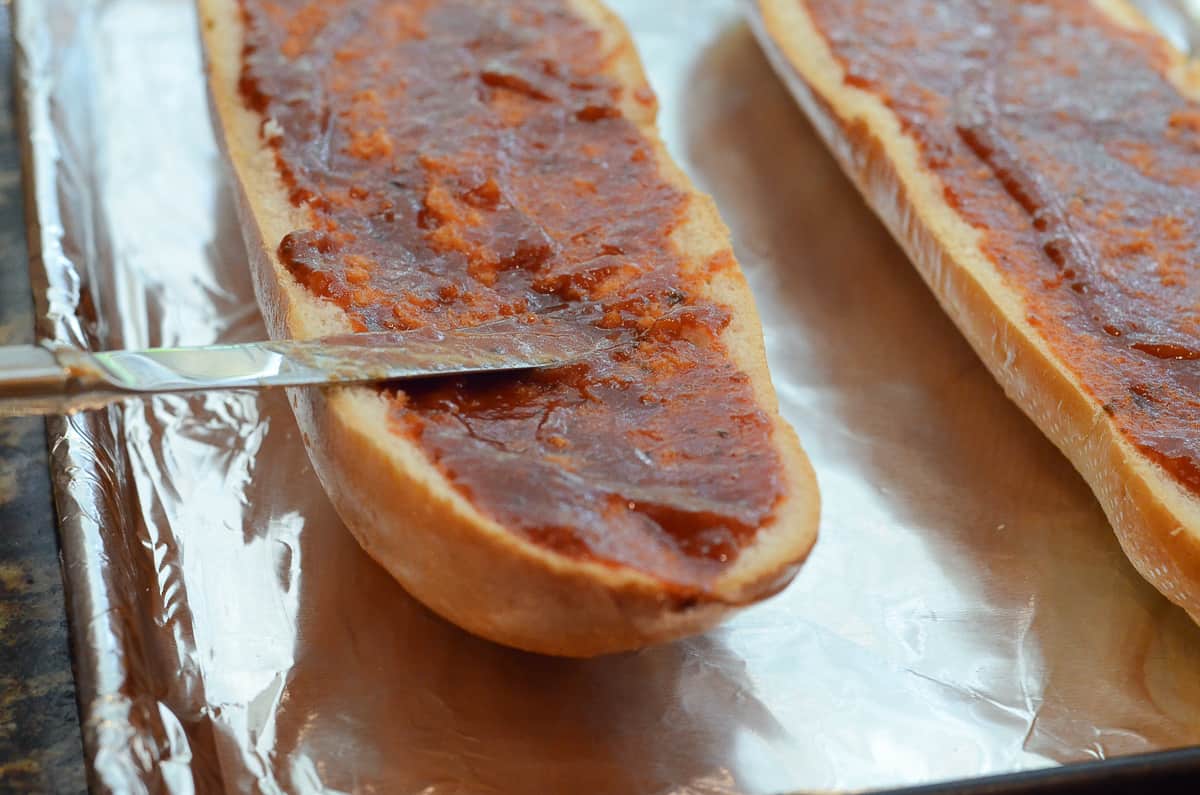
463, 160
1056, 132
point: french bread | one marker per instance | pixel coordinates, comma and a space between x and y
445, 162
1039, 164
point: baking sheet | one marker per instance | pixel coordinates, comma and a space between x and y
966, 611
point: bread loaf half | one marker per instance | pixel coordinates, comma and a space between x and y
1039, 163
447, 162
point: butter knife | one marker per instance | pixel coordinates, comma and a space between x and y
59, 379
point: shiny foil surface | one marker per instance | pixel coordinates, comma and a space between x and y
966, 611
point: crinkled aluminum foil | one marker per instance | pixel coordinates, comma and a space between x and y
967, 610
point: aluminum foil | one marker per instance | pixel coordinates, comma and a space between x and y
966, 611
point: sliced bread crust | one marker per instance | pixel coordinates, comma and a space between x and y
402, 509
1155, 519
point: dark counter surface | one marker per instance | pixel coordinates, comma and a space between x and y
40, 746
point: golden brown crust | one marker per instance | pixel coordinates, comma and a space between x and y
404, 512
1155, 519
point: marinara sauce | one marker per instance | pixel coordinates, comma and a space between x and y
463, 160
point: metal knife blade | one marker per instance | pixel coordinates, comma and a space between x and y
57, 379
